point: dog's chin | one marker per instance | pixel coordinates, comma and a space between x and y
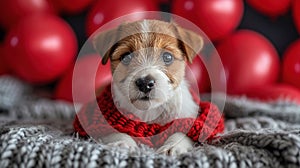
146, 103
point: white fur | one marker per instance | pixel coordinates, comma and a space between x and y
145, 26
166, 103
180, 105
145, 29
176, 144
119, 139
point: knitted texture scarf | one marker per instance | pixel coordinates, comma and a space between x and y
101, 118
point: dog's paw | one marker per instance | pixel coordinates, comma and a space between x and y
176, 144
119, 140
123, 144
173, 150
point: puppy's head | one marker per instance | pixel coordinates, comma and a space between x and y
147, 59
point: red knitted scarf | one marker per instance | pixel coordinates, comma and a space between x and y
102, 118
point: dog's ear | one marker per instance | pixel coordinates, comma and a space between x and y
104, 42
190, 43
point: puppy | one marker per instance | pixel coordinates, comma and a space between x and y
148, 60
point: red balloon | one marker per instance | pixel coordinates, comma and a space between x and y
14, 10
198, 71
296, 14
105, 11
249, 60
88, 77
217, 18
70, 6
271, 8
275, 92
40, 48
291, 64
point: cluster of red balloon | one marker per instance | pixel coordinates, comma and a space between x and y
40, 47
251, 63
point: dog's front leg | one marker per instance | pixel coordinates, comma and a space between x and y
119, 140
176, 144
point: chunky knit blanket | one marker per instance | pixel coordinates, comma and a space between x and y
37, 132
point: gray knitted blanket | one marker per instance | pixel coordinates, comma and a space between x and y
37, 132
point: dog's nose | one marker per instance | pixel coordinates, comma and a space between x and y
145, 84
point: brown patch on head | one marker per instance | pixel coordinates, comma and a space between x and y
190, 42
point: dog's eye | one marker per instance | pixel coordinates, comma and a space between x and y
126, 58
167, 58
